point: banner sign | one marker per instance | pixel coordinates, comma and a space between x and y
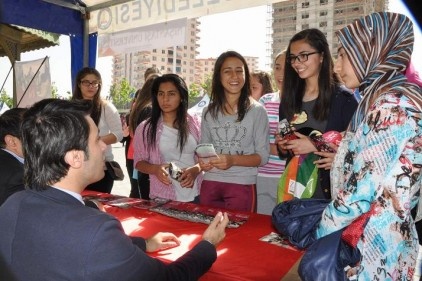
33, 81
146, 12
156, 36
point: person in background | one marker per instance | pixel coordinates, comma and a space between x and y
376, 171
260, 84
153, 70
168, 140
105, 116
63, 154
313, 99
141, 110
237, 126
269, 174
412, 75
11, 154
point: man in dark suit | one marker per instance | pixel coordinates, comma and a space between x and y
48, 234
11, 156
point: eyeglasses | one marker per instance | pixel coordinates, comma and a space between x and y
300, 57
87, 83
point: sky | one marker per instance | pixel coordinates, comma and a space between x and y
242, 30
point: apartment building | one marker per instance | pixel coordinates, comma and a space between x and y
175, 59
290, 17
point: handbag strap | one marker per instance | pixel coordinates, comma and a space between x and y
353, 232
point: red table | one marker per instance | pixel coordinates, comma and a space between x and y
241, 255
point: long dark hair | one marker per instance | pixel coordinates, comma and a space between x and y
143, 100
97, 102
218, 98
294, 86
51, 128
180, 123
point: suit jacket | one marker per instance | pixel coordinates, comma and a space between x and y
11, 175
50, 235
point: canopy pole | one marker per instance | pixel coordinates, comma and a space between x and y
86, 39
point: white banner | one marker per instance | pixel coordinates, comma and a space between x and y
3, 107
197, 109
33, 81
156, 36
146, 12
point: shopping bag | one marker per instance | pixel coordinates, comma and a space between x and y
299, 179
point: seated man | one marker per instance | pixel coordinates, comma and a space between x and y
48, 234
11, 156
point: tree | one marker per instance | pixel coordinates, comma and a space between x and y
54, 91
198, 89
4, 97
121, 94
207, 84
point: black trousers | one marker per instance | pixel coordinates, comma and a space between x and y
104, 185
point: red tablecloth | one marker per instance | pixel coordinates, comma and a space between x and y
241, 256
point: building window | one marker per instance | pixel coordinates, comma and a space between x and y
323, 24
305, 5
323, 2
305, 16
304, 26
323, 13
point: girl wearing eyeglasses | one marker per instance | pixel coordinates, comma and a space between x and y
313, 100
105, 116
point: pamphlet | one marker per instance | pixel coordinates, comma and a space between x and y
197, 213
205, 151
278, 240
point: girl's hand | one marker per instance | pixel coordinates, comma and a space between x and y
327, 158
222, 162
301, 145
162, 174
205, 165
188, 176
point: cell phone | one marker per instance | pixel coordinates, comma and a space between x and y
285, 130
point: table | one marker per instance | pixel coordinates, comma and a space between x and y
241, 255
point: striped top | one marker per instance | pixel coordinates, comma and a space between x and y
275, 165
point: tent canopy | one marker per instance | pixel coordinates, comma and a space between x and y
16, 39
57, 16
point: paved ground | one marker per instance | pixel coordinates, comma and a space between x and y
121, 187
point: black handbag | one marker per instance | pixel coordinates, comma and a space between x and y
114, 170
325, 258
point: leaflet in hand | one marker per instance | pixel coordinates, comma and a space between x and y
205, 151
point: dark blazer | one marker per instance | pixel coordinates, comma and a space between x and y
50, 235
11, 175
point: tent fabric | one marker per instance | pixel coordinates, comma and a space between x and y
42, 15
76, 48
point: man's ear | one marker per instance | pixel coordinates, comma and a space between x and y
10, 141
74, 158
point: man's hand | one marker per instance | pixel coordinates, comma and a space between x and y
216, 231
161, 241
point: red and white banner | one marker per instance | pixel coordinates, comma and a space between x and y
33, 81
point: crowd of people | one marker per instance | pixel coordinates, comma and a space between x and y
57, 149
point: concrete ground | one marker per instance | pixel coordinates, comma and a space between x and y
121, 187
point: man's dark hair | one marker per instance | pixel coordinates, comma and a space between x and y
10, 124
50, 129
